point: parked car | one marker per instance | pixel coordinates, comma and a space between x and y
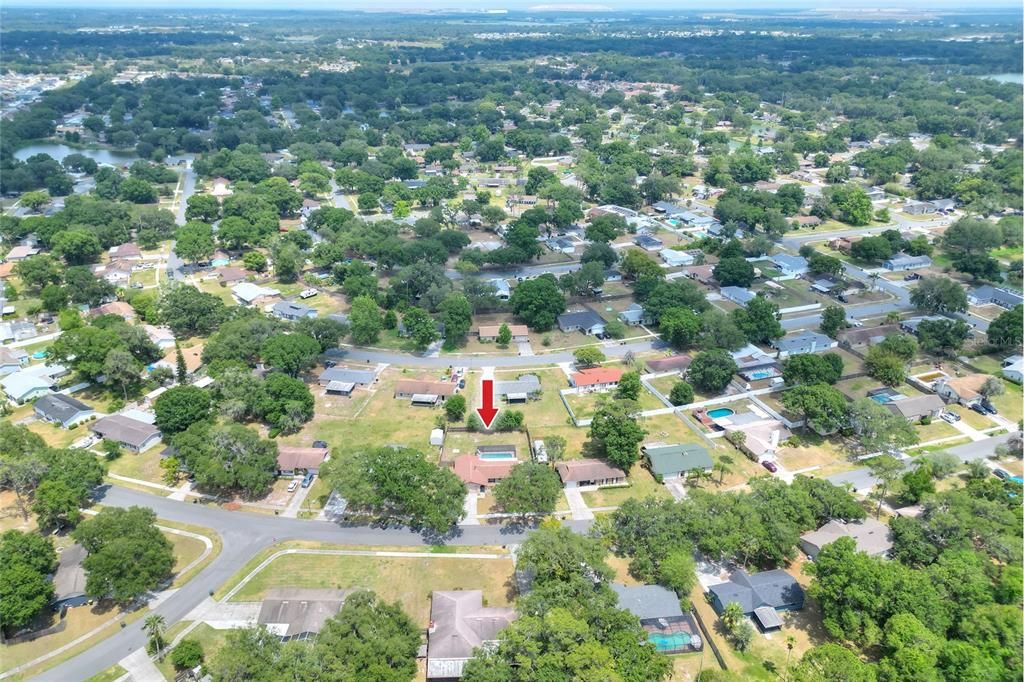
1001, 474
977, 407
307, 480
329, 363
770, 466
989, 407
319, 444
911, 277
308, 293
950, 417
854, 322
292, 486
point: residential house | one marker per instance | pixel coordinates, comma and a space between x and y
585, 473
62, 410
162, 337
738, 295
32, 382
116, 272
901, 262
520, 333
701, 273
912, 207
791, 266
648, 243
760, 595
875, 193
914, 409
804, 342
944, 205
20, 253
249, 294
988, 294
359, 377
460, 625
425, 391
519, 390
292, 461
842, 244
672, 363
129, 433
596, 378
910, 325
807, 220
676, 259
866, 336
221, 188
69, 580
119, 308
125, 252
634, 316
338, 317
612, 275
586, 321
480, 474
1013, 369
669, 629
963, 390
561, 245
501, 288
762, 436
870, 535
669, 209
12, 360
671, 462
231, 276
299, 613
17, 331
193, 357
292, 311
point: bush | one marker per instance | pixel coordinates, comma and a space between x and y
546, 341
682, 394
188, 654
926, 420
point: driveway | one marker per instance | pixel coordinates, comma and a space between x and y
579, 509
295, 504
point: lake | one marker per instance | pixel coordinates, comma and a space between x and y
103, 156
1017, 78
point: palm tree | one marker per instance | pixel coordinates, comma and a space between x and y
732, 615
154, 627
790, 642
873, 278
723, 466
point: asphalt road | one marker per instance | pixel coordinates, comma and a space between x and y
243, 535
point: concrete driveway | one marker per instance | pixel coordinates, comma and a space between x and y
579, 509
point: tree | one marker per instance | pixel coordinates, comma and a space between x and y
681, 394
916, 483
878, 429
420, 327
190, 312
26, 560
831, 662
886, 468
203, 207
504, 335
398, 483
368, 640
992, 387
194, 242
293, 353
851, 203
86, 349
529, 488
127, 554
153, 626
229, 457
971, 236
734, 272
34, 200
820, 264
719, 330
365, 320
833, 319
810, 368
935, 295
138, 191
457, 316
822, 407
759, 320
121, 369
871, 249
616, 433
605, 228
56, 505
599, 252
680, 327
325, 331
187, 655
255, 261
36, 272
885, 366
629, 386
711, 371
1006, 330
509, 420
77, 246
455, 407
942, 336
248, 654
538, 302
181, 406
588, 356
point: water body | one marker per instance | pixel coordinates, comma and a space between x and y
1017, 78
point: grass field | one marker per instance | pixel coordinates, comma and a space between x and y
585, 405
211, 640
407, 580
546, 416
144, 466
641, 485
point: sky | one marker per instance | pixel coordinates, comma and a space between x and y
402, 5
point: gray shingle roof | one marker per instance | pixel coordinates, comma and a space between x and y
60, 407
648, 601
776, 589
584, 319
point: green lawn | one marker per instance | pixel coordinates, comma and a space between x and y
641, 485
585, 405
211, 640
1009, 403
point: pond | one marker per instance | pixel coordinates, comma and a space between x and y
1017, 78
109, 157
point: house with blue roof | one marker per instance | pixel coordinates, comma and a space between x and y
738, 295
793, 266
901, 262
804, 342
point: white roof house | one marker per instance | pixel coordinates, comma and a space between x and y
247, 292
675, 259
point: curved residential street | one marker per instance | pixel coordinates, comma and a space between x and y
243, 535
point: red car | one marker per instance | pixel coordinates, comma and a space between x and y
770, 466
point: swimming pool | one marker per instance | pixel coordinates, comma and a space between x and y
881, 398
761, 374
497, 455
670, 642
720, 412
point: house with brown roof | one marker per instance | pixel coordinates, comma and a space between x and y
21, 253
193, 357
231, 275
866, 336
119, 308
490, 332
962, 390
673, 363
479, 474
293, 460
702, 273
585, 473
460, 624
425, 391
128, 251
596, 378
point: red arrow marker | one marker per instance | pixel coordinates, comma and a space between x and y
488, 412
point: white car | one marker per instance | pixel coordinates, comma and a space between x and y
949, 417
292, 486
854, 322
308, 293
